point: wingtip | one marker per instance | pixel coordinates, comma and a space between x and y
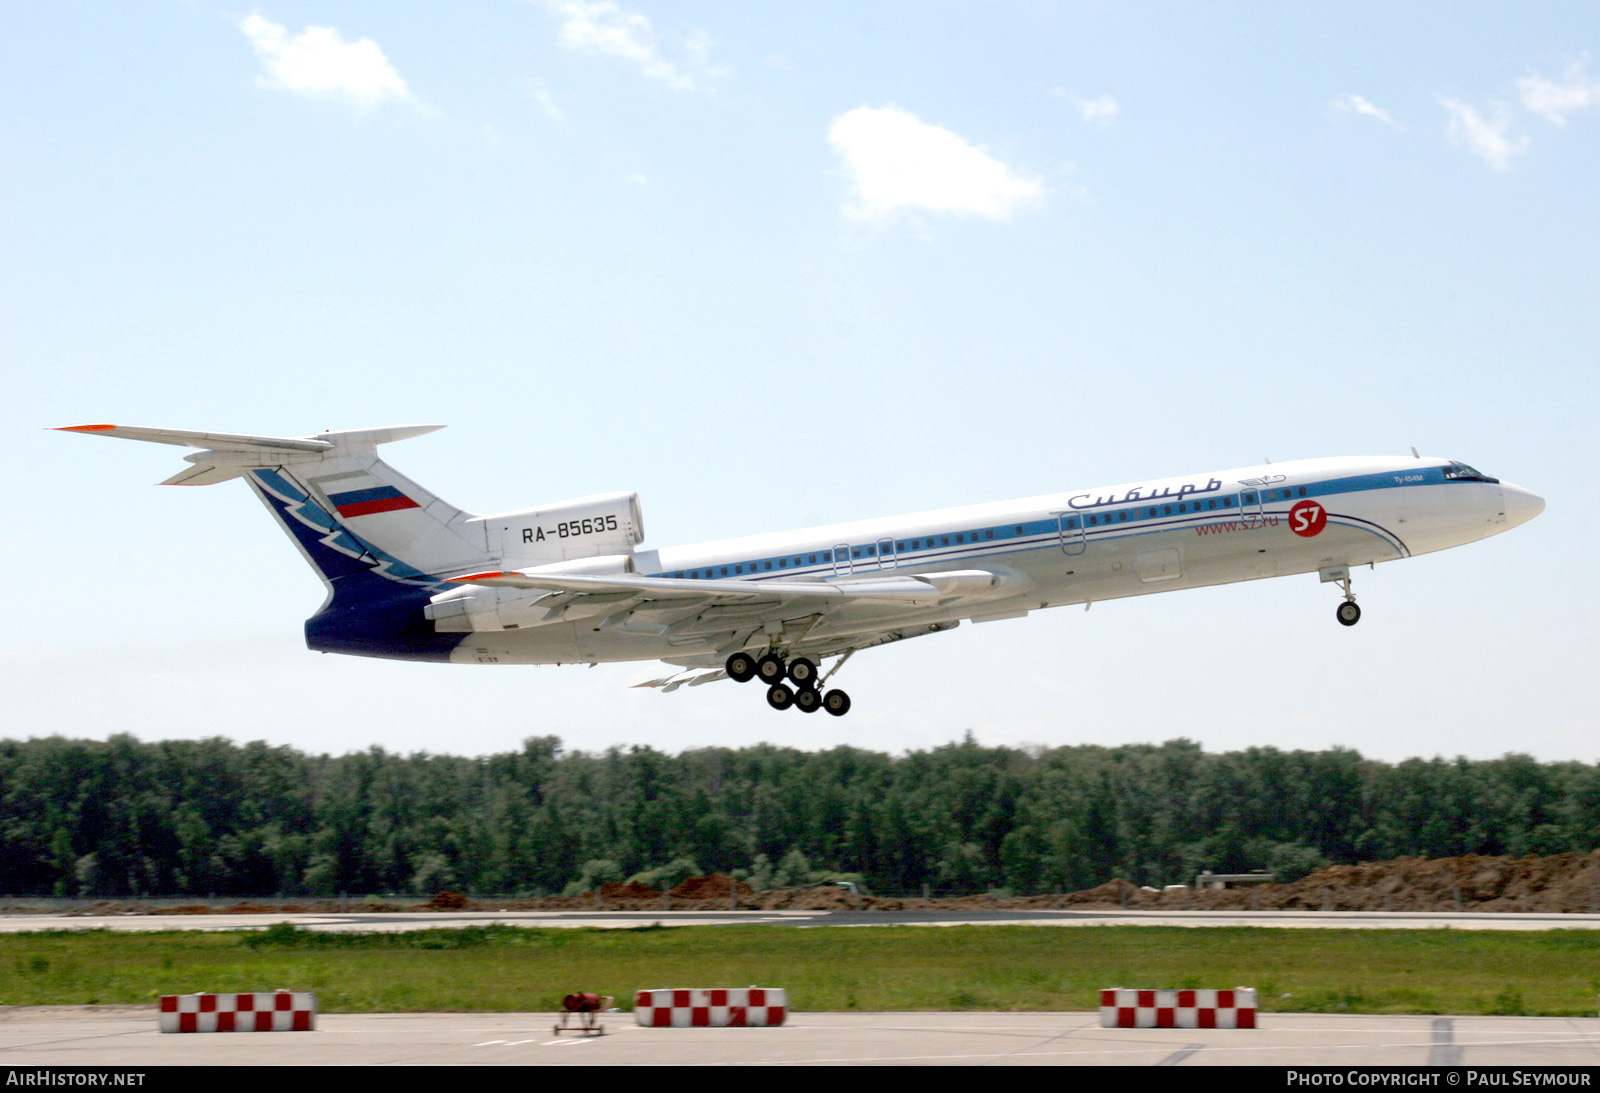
470, 577
83, 428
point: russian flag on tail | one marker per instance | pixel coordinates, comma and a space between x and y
367, 502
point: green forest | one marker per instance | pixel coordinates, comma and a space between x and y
216, 818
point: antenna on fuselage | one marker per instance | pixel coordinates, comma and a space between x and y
1414, 453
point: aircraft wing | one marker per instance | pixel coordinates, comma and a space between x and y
909, 590
812, 617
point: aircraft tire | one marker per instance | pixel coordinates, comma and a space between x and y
741, 667
836, 702
770, 668
807, 700
779, 697
1348, 613
802, 672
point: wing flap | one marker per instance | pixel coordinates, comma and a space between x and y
904, 590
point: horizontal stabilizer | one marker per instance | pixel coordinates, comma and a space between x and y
207, 474
186, 438
233, 442
229, 455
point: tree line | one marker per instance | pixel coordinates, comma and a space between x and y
211, 817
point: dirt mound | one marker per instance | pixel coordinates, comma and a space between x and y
716, 886
110, 907
1560, 883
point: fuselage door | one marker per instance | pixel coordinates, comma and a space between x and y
1070, 526
841, 560
1250, 508
886, 559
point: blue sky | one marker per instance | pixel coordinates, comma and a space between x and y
889, 256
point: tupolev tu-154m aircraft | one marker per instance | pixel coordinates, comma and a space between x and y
410, 576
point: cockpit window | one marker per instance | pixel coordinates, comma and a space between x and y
1460, 472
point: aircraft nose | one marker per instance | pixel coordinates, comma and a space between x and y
1521, 505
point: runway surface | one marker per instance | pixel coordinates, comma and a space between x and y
123, 1036
425, 920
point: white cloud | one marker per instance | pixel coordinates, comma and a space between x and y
897, 163
1099, 111
1554, 101
600, 26
540, 94
1484, 137
1355, 104
318, 61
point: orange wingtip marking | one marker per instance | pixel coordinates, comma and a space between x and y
479, 576
83, 428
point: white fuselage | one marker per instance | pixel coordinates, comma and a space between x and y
1068, 548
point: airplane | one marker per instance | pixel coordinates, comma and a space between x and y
410, 576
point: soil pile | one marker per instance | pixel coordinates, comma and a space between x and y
716, 886
1560, 883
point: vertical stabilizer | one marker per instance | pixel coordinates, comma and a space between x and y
380, 542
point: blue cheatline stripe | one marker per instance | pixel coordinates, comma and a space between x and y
1037, 534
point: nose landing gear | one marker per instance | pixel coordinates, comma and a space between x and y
1348, 613
772, 670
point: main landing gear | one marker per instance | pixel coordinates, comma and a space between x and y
1348, 613
773, 670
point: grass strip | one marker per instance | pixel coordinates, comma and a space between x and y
516, 969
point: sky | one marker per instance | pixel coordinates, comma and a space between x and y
779, 265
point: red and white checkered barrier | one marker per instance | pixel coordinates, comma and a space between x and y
735, 1007
1178, 1009
274, 1011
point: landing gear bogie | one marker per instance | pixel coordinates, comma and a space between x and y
790, 683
